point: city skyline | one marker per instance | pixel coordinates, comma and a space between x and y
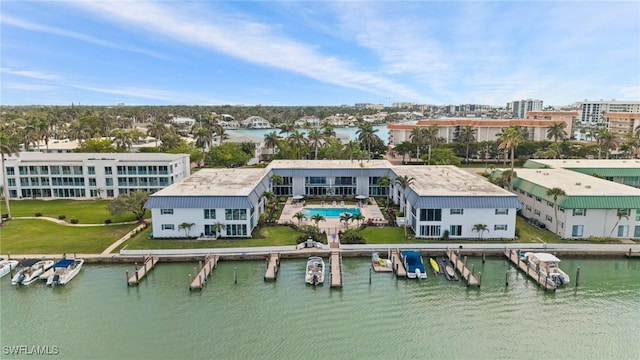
317, 53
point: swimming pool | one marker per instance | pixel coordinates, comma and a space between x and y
330, 212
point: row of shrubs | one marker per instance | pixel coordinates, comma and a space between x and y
73, 221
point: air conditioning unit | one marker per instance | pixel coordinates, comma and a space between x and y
578, 184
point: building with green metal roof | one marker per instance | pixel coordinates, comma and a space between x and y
623, 171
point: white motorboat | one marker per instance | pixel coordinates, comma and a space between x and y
31, 273
547, 265
6, 266
315, 271
64, 271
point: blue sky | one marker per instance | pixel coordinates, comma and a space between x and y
317, 53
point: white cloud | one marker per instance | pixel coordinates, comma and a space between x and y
245, 39
28, 87
30, 74
169, 97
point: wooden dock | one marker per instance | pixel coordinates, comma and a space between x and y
397, 264
210, 262
140, 273
631, 254
514, 257
273, 264
461, 267
336, 269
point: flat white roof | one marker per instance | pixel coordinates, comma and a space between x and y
216, 182
438, 180
574, 183
596, 163
329, 164
38, 157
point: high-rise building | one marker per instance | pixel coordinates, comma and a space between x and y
593, 111
520, 107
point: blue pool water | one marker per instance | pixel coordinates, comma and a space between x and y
330, 212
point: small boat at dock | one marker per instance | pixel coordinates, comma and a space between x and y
446, 267
380, 264
64, 271
314, 275
413, 264
546, 265
31, 272
6, 266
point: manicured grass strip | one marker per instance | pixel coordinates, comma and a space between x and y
273, 236
387, 235
86, 211
45, 237
533, 234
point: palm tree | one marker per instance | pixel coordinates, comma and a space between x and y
316, 218
606, 141
345, 217
297, 141
218, 226
156, 130
367, 136
417, 138
555, 193
404, 148
286, 128
404, 181
203, 139
358, 218
9, 145
186, 227
327, 130
480, 229
315, 138
384, 182
271, 141
509, 139
299, 216
122, 139
556, 131
467, 135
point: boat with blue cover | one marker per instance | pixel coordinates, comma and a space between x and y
64, 271
413, 263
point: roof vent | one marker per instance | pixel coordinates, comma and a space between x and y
578, 184
587, 186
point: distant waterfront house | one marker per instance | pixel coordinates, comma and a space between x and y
255, 122
91, 175
591, 206
441, 199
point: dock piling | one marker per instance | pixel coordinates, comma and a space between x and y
369, 276
235, 275
465, 261
506, 278
483, 257
577, 276
126, 273
473, 269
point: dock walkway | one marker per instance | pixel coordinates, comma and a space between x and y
336, 269
210, 262
514, 257
140, 273
461, 267
273, 264
398, 266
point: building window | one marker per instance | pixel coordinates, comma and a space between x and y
502, 227
110, 193
538, 199
91, 170
528, 208
636, 232
430, 230
624, 212
430, 214
529, 195
316, 180
166, 211
11, 171
235, 214
44, 170
537, 212
108, 170
549, 218
560, 209
209, 213
455, 230
92, 181
108, 181
167, 227
456, 211
623, 230
549, 203
521, 191
579, 212
236, 229
637, 214
577, 230
502, 211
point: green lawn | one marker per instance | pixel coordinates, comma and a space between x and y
272, 236
45, 237
86, 211
387, 235
532, 234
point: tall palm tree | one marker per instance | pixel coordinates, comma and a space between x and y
384, 182
9, 145
316, 218
467, 135
367, 136
297, 140
315, 140
271, 141
606, 141
122, 139
555, 193
509, 139
345, 217
480, 229
218, 227
286, 128
417, 138
327, 130
358, 218
186, 227
404, 148
556, 131
404, 182
156, 129
431, 135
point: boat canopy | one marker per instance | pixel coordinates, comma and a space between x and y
64, 263
546, 257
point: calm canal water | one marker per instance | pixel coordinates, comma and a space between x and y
97, 316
